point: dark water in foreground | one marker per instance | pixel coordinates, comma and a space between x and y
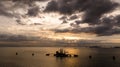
100, 57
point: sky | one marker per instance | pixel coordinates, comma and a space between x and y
34, 21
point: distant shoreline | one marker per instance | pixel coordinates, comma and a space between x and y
63, 46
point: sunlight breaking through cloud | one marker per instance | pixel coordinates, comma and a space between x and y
54, 19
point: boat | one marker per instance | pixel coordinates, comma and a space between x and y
63, 53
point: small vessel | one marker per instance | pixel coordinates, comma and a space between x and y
63, 53
16, 53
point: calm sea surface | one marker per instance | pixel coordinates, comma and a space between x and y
100, 57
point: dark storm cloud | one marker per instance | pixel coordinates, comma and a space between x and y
59, 5
63, 18
78, 22
52, 6
4, 13
93, 12
64, 21
6, 37
10, 37
36, 24
61, 30
29, 2
73, 17
107, 26
19, 22
93, 9
117, 20
33, 11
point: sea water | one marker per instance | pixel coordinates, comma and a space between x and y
36, 57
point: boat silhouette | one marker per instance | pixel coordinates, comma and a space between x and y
62, 53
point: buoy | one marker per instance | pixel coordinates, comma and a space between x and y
75, 55
114, 57
90, 57
47, 54
33, 54
16, 53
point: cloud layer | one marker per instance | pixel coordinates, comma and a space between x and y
93, 9
94, 14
